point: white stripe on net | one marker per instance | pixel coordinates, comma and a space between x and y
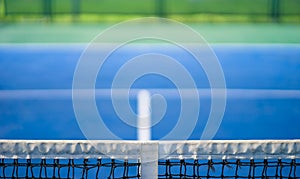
215, 149
230, 149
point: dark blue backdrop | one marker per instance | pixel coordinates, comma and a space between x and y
265, 68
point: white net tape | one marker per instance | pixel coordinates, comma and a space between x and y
216, 149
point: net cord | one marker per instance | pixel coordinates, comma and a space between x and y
216, 149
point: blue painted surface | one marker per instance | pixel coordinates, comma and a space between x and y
269, 67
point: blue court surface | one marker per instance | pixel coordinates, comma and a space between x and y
263, 91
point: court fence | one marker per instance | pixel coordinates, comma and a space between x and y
273, 10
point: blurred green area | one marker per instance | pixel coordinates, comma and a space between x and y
32, 32
183, 10
219, 21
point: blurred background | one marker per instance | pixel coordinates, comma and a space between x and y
184, 10
257, 43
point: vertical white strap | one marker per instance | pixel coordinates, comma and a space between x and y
149, 160
144, 115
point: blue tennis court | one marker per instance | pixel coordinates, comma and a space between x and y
263, 96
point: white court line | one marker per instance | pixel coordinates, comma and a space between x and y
56, 94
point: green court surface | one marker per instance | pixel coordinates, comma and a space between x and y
212, 32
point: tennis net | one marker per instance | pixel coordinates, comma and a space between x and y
150, 159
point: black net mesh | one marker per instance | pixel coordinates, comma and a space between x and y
110, 168
68, 168
229, 168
